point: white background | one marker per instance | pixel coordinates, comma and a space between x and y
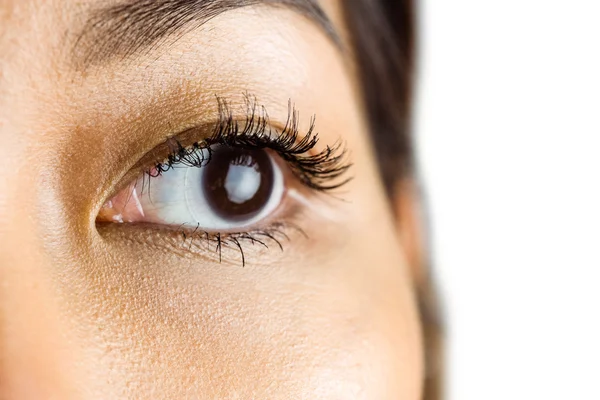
508, 127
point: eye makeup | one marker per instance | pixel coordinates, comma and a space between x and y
232, 187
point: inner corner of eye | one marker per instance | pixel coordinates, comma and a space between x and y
125, 206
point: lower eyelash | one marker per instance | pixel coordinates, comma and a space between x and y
275, 234
188, 240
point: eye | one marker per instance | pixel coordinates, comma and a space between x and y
233, 189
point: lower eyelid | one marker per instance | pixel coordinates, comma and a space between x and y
266, 242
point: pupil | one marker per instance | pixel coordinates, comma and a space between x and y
237, 182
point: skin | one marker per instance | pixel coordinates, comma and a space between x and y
118, 311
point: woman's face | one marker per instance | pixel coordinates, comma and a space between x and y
162, 237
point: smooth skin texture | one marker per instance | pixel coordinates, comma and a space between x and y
89, 312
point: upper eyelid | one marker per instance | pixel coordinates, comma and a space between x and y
202, 133
186, 136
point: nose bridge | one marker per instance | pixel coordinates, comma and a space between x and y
36, 349
32, 340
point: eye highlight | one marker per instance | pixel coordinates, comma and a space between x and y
232, 185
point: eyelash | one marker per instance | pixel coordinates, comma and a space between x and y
315, 171
320, 171
235, 240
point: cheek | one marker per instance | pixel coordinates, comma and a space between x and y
335, 319
341, 328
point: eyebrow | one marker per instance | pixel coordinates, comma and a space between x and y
129, 28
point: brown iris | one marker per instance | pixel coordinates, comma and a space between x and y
238, 183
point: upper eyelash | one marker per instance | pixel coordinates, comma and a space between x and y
320, 171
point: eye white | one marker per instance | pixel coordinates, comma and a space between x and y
177, 197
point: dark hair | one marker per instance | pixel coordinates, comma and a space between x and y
383, 33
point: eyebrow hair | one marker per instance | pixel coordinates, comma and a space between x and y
134, 26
